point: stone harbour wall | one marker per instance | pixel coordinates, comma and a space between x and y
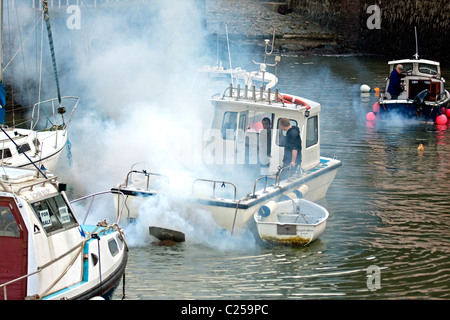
356, 25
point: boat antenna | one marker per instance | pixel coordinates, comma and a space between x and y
229, 55
417, 46
263, 65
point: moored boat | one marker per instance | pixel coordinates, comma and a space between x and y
292, 222
243, 161
414, 89
46, 253
42, 143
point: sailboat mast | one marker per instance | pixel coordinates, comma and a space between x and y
52, 48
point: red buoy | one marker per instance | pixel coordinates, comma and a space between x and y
376, 107
447, 112
371, 116
441, 119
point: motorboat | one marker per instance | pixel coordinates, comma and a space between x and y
238, 76
423, 94
42, 143
291, 222
218, 75
243, 162
46, 253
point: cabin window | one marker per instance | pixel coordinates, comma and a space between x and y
24, 148
229, 124
312, 131
407, 67
5, 153
8, 225
54, 214
113, 248
428, 68
281, 136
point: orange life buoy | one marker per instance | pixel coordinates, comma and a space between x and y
294, 100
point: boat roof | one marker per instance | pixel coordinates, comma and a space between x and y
16, 175
23, 181
414, 61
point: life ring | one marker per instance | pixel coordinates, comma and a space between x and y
294, 100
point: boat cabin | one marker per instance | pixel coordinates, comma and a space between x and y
419, 75
238, 136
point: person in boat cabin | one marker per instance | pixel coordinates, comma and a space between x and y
293, 147
395, 87
266, 126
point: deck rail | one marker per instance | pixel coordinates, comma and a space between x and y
215, 182
145, 173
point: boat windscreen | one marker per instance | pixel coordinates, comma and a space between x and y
54, 214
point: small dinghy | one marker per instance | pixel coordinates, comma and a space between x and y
294, 222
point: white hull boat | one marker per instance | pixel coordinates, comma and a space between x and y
246, 161
46, 253
42, 143
40, 146
291, 222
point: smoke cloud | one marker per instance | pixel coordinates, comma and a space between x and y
132, 64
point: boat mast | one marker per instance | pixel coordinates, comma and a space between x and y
417, 46
52, 48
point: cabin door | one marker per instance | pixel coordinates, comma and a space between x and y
13, 244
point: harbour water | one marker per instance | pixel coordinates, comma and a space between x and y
388, 232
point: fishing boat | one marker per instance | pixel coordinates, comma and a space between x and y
292, 222
243, 162
42, 143
46, 253
423, 94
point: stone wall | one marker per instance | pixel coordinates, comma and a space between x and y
396, 34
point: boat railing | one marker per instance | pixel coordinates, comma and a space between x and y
214, 183
279, 173
253, 94
146, 174
30, 185
94, 196
49, 109
266, 179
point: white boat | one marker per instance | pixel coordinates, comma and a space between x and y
424, 96
218, 75
244, 162
41, 144
46, 253
291, 222
238, 76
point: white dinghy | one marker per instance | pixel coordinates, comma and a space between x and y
46, 254
293, 222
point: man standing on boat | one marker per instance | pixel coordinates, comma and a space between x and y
293, 146
395, 87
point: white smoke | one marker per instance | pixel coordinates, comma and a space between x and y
133, 67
